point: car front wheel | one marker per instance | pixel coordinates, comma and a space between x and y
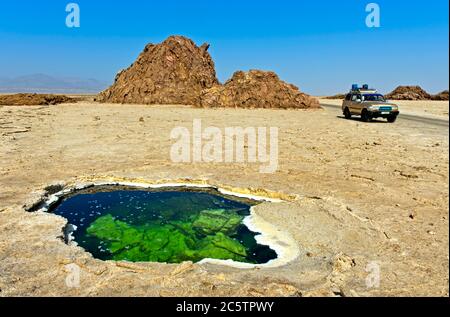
392, 119
365, 116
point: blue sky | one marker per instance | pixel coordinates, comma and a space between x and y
321, 46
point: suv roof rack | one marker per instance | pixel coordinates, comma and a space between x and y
363, 89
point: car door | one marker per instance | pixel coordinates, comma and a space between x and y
347, 101
358, 104
353, 105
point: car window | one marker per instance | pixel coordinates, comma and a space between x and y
354, 97
348, 97
374, 97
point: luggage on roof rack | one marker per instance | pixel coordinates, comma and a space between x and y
364, 89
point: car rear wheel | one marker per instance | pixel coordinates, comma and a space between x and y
347, 114
365, 116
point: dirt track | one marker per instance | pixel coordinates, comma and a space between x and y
416, 118
368, 193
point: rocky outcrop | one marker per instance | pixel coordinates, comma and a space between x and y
257, 89
173, 72
416, 93
33, 100
409, 93
442, 96
179, 72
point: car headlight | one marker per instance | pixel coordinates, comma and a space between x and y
373, 108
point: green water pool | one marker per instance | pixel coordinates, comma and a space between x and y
165, 225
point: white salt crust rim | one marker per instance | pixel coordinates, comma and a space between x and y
280, 241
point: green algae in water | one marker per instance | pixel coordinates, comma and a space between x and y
169, 226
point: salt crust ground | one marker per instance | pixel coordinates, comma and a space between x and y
365, 193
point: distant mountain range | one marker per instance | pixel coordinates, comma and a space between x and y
42, 83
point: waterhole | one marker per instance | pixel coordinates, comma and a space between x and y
170, 225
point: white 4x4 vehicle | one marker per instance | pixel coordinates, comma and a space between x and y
368, 104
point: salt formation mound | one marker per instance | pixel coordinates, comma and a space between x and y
257, 89
443, 96
34, 100
409, 93
178, 72
173, 72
